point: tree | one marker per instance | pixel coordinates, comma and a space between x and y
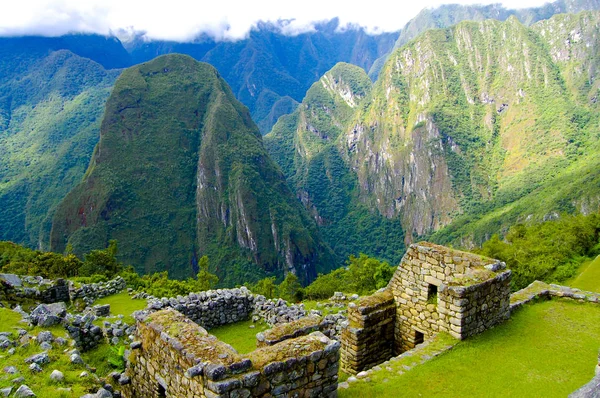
206, 280
290, 289
102, 262
266, 287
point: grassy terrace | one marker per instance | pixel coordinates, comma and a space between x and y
122, 303
548, 349
589, 276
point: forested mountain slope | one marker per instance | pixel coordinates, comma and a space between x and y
181, 171
467, 130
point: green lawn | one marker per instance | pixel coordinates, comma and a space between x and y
589, 277
122, 303
239, 335
548, 349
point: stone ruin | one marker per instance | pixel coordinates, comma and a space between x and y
434, 289
175, 357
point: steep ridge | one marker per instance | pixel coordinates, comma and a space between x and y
308, 145
468, 130
49, 119
180, 171
448, 15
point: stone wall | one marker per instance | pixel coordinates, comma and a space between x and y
35, 288
434, 289
175, 357
93, 291
438, 289
211, 308
330, 325
368, 337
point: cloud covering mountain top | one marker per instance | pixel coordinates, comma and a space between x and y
182, 20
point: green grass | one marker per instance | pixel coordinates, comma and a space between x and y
545, 350
10, 320
589, 277
122, 303
40, 383
239, 335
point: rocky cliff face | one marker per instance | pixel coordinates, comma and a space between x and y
180, 171
463, 124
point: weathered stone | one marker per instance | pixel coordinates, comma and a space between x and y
57, 375
24, 391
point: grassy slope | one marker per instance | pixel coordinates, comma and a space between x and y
548, 349
589, 277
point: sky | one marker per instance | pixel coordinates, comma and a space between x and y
182, 20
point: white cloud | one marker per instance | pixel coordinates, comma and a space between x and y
182, 20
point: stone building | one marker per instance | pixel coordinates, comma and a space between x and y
434, 289
176, 357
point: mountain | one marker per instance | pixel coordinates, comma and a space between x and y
308, 145
468, 129
180, 171
16, 53
271, 71
450, 14
51, 103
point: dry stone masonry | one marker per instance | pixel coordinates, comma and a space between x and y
368, 336
434, 289
176, 357
18, 289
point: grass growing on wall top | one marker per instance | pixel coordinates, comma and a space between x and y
545, 350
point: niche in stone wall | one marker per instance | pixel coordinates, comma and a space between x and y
162, 392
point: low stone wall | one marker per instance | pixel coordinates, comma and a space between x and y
368, 337
541, 290
211, 308
22, 288
175, 357
277, 311
93, 291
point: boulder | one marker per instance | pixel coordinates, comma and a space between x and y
57, 375
23, 391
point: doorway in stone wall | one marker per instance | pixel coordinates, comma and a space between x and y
162, 392
419, 338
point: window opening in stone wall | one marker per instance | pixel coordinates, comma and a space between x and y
162, 392
432, 294
419, 338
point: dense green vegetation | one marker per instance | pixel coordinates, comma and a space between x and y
447, 15
551, 251
548, 349
49, 119
181, 172
306, 147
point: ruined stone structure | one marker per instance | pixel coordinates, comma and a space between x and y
368, 339
17, 289
175, 357
435, 289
